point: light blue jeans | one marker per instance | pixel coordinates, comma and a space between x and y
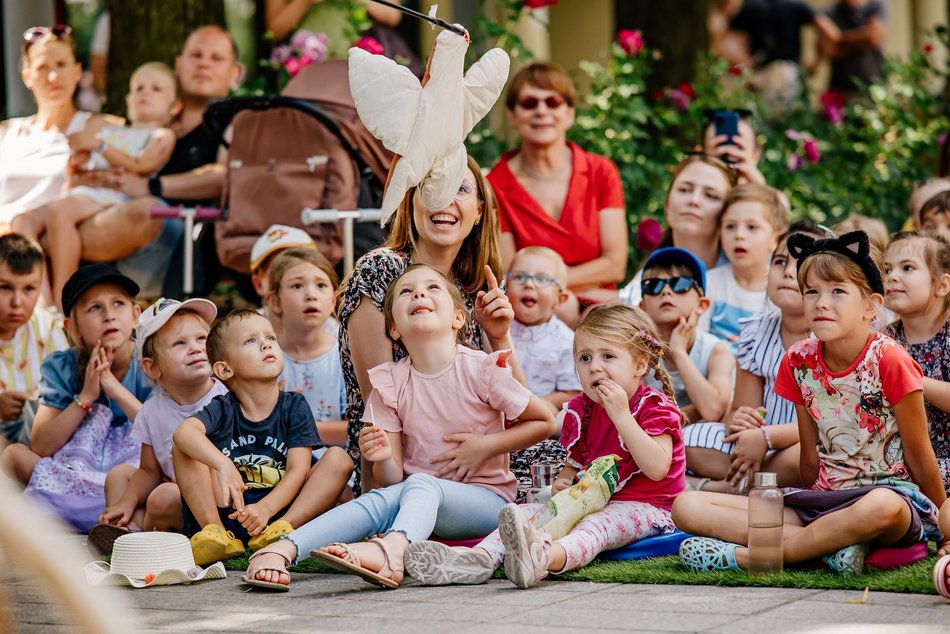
419, 506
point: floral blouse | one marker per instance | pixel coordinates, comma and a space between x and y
858, 439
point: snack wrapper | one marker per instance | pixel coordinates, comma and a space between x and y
564, 510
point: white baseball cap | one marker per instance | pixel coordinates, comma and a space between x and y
157, 315
278, 237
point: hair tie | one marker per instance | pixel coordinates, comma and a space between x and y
854, 245
651, 341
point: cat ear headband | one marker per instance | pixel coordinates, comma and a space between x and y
854, 245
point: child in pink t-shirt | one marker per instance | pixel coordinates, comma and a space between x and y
439, 427
614, 347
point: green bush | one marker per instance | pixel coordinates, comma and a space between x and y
865, 157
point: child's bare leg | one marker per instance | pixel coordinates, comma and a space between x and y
785, 462
325, 483
117, 481
708, 463
63, 239
881, 515
31, 224
199, 487
163, 509
19, 461
722, 516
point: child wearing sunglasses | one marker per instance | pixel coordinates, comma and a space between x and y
673, 288
536, 284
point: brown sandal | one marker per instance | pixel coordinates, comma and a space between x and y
351, 563
250, 577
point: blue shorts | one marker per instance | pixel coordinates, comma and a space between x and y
148, 266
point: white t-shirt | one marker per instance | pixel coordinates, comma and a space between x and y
160, 416
730, 303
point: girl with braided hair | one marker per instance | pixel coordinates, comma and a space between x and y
614, 348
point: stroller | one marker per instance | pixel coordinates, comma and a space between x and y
305, 148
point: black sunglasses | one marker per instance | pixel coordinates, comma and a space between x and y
679, 284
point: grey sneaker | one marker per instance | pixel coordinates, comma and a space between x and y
847, 561
435, 564
527, 549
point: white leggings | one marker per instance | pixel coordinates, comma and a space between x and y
618, 524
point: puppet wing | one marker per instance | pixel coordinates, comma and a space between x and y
387, 98
483, 84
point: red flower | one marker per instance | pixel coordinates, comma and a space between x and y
630, 41
370, 45
833, 103
687, 89
649, 232
928, 48
538, 4
735, 70
812, 154
657, 94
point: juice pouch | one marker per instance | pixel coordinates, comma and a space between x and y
570, 506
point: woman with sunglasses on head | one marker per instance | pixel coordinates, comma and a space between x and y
34, 151
552, 193
461, 241
694, 200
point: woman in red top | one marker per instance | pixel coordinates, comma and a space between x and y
552, 193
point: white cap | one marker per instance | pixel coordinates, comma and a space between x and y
278, 237
157, 315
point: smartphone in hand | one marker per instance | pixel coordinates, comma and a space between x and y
726, 123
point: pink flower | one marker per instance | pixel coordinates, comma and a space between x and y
791, 134
687, 89
538, 4
833, 103
630, 41
649, 233
812, 154
292, 66
370, 45
794, 162
280, 55
681, 98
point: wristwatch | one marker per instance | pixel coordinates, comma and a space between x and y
155, 186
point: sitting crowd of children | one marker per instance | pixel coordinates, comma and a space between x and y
230, 430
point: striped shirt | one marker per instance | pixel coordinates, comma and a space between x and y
759, 352
21, 356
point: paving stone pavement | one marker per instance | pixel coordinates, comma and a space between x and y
339, 603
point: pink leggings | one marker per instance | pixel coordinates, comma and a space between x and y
618, 524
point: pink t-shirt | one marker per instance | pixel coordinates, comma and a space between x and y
588, 433
476, 393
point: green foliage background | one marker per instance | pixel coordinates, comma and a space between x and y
869, 162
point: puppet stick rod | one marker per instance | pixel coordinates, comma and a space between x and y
423, 16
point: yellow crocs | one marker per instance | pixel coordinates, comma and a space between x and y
271, 533
212, 543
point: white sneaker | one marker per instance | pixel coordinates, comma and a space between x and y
435, 564
527, 549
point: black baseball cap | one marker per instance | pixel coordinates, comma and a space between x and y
91, 275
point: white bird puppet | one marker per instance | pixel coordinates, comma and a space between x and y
426, 123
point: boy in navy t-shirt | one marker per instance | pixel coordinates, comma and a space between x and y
245, 460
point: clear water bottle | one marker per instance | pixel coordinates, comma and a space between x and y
766, 504
542, 477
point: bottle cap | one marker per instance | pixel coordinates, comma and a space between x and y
766, 479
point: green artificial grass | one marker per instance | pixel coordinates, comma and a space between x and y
915, 578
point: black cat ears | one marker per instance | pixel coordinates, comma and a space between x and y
854, 245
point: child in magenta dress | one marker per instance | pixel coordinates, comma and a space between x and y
614, 347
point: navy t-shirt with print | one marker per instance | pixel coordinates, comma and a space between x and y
259, 449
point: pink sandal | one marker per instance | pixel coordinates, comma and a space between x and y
350, 563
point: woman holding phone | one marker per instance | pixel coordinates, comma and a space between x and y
731, 137
552, 193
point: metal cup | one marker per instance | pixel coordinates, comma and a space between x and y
543, 473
